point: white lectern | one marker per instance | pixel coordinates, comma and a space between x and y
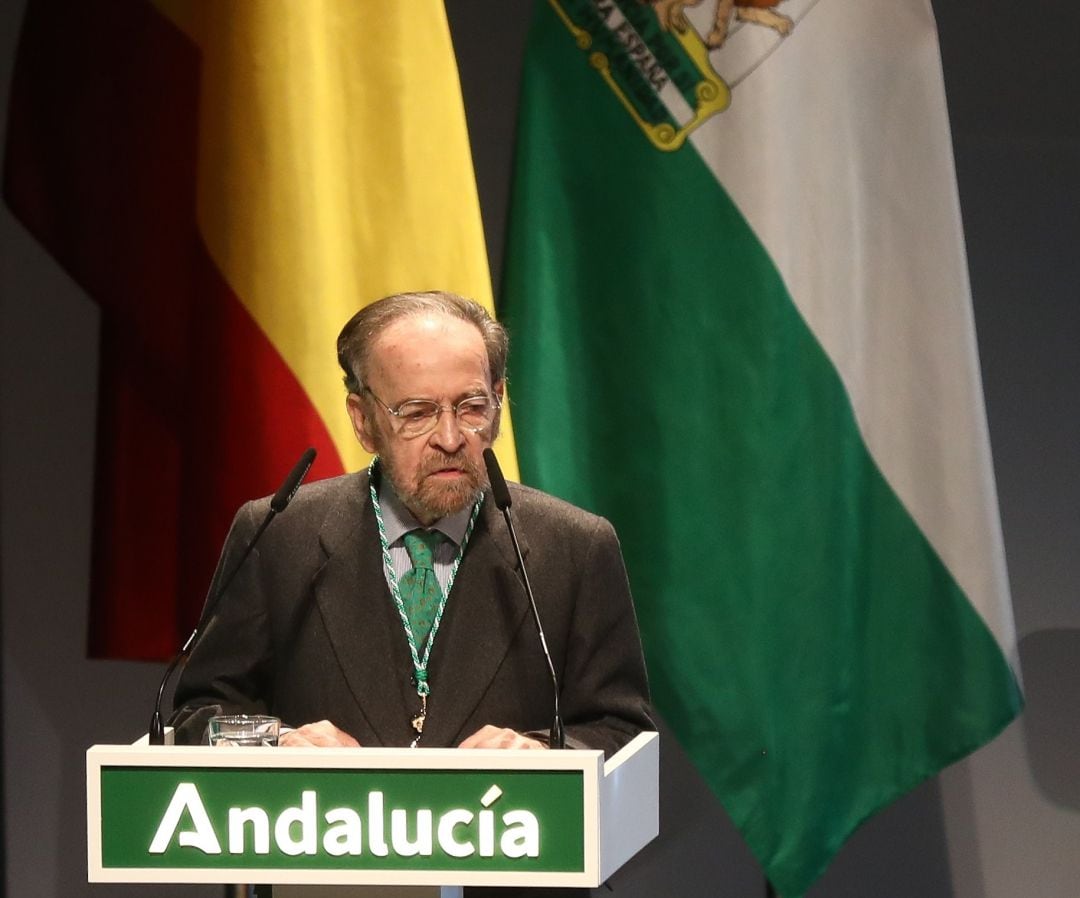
424, 817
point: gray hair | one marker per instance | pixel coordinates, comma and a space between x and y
359, 334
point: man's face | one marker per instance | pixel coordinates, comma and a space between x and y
427, 356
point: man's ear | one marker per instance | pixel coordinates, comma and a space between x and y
361, 421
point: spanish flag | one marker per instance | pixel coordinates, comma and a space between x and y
229, 182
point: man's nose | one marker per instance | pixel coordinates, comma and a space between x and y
447, 434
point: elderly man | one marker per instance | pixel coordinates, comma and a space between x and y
386, 607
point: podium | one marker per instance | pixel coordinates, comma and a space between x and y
426, 817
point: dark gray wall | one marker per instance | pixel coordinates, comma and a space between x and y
1002, 824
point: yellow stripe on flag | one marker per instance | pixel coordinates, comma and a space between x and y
334, 170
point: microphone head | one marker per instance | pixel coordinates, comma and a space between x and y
499, 491
292, 483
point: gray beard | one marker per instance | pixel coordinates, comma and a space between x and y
429, 500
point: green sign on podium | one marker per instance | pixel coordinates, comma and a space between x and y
368, 816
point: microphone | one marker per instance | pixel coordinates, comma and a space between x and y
292, 483
501, 495
278, 504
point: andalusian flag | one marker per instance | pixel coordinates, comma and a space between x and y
229, 182
737, 285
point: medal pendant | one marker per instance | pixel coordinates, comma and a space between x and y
418, 720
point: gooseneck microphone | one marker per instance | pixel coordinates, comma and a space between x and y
501, 495
278, 504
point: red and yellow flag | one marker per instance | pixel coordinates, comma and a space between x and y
229, 182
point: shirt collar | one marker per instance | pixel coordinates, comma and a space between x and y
398, 520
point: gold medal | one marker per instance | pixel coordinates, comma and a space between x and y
418, 720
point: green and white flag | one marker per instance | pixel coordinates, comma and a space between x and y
736, 282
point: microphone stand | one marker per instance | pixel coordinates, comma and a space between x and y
279, 502
501, 495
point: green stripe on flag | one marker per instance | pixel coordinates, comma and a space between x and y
804, 640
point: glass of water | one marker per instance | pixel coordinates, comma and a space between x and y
244, 730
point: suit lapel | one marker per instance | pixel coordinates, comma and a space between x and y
363, 626
486, 608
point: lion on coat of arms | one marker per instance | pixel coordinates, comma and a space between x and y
760, 12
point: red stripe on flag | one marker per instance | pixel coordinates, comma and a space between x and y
198, 411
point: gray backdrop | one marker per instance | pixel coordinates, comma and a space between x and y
1004, 823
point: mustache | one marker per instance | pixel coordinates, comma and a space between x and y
437, 460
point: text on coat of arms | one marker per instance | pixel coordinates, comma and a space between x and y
656, 60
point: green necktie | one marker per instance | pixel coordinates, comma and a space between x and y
420, 590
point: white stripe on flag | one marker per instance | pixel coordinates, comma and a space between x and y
858, 208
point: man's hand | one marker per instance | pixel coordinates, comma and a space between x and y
499, 737
322, 734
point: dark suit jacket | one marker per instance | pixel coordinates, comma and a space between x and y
308, 629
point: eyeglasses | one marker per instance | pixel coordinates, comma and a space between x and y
416, 417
